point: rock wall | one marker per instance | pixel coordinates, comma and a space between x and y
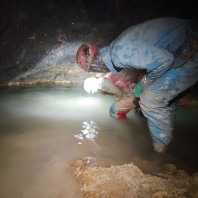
39, 38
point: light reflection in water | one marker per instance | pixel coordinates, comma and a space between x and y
89, 132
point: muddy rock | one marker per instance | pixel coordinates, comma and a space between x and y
127, 181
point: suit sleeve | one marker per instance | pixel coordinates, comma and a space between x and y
140, 55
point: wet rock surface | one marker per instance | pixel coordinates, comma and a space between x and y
129, 181
40, 35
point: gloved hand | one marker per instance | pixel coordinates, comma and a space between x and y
107, 87
137, 91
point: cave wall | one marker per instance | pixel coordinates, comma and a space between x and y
39, 38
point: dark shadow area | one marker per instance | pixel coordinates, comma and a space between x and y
184, 147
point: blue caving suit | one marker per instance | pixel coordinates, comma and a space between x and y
153, 45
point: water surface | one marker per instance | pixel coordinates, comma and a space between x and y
43, 130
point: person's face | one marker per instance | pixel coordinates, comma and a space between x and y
89, 59
97, 64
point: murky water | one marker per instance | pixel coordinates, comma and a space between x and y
43, 130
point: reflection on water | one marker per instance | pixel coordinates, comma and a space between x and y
89, 132
43, 130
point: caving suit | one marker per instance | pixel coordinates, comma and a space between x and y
155, 46
120, 89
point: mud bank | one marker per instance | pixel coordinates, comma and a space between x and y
128, 181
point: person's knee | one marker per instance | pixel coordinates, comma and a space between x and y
149, 100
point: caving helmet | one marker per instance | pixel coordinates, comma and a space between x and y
89, 59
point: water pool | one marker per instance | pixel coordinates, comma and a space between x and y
43, 130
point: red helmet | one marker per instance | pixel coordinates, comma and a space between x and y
85, 55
